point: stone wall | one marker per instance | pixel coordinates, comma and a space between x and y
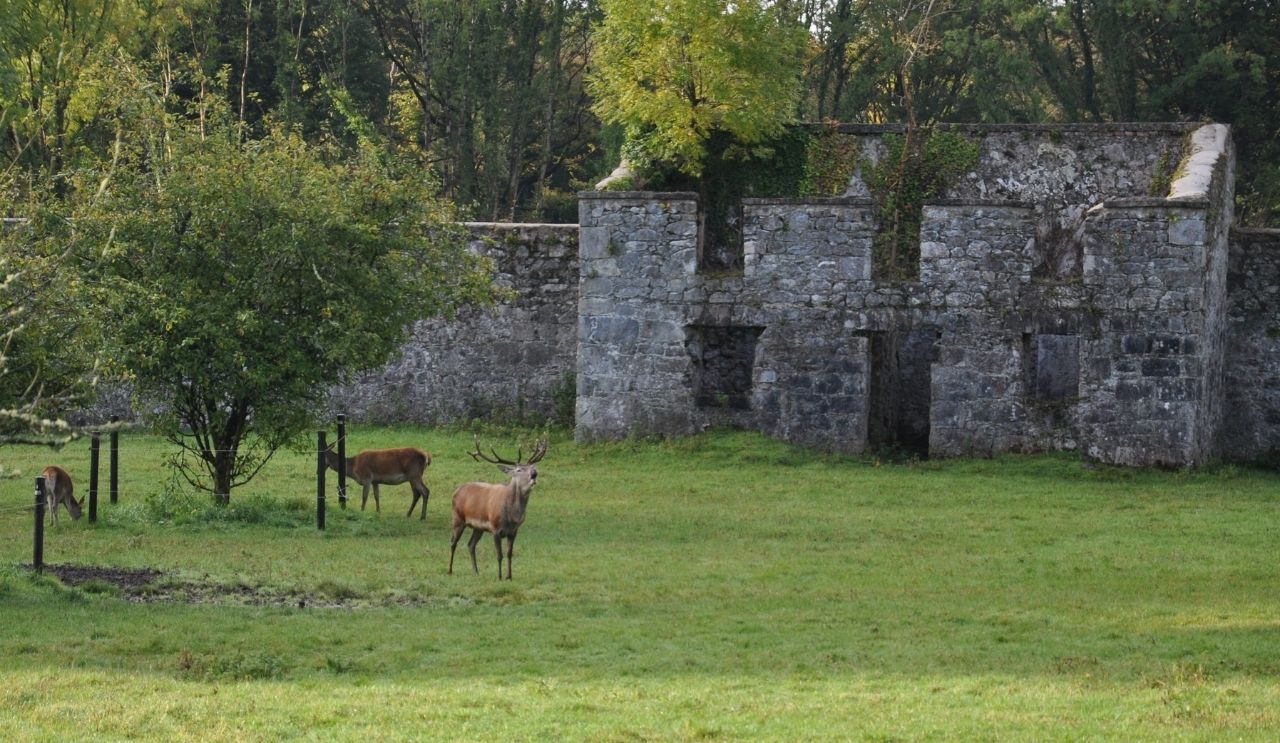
1071, 295
514, 359
976, 261
1146, 373
653, 330
638, 255
807, 270
1251, 430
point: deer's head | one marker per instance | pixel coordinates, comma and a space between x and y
524, 475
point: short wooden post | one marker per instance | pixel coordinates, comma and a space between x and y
37, 547
95, 443
320, 481
342, 460
115, 461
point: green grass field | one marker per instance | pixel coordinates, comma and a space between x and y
721, 587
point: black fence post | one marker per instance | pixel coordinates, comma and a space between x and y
95, 443
115, 461
320, 482
37, 547
342, 460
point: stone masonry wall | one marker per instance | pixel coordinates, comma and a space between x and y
1252, 428
975, 259
514, 359
646, 315
638, 256
1158, 267
807, 271
1056, 164
1146, 373
1089, 313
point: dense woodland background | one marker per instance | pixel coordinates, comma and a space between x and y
491, 94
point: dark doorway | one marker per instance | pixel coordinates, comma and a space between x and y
724, 357
900, 392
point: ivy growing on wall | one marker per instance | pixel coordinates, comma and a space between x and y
831, 159
916, 166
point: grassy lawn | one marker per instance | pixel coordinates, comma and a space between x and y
721, 587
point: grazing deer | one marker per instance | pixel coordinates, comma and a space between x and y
59, 490
497, 509
387, 467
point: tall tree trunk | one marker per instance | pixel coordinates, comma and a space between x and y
549, 112
1088, 85
244, 69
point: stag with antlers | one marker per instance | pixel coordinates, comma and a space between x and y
496, 509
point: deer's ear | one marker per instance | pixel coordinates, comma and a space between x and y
81, 503
507, 469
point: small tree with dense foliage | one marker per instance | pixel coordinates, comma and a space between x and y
242, 279
676, 71
46, 357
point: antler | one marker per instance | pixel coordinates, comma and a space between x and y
539, 451
498, 459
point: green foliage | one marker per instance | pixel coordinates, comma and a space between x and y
241, 279
47, 340
830, 161
1259, 200
176, 507
490, 93
621, 184
1163, 176
56, 62
916, 166
675, 74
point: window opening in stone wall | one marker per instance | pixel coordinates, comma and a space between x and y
1051, 366
900, 389
895, 254
724, 357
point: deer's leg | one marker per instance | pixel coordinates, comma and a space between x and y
511, 546
497, 542
471, 545
364, 496
420, 490
458, 528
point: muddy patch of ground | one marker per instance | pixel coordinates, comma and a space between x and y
148, 585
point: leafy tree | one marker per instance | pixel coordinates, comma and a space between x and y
54, 60
242, 279
490, 93
677, 71
46, 356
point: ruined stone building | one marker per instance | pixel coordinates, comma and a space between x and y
1079, 289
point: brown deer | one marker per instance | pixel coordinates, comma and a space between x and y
58, 489
387, 467
497, 509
